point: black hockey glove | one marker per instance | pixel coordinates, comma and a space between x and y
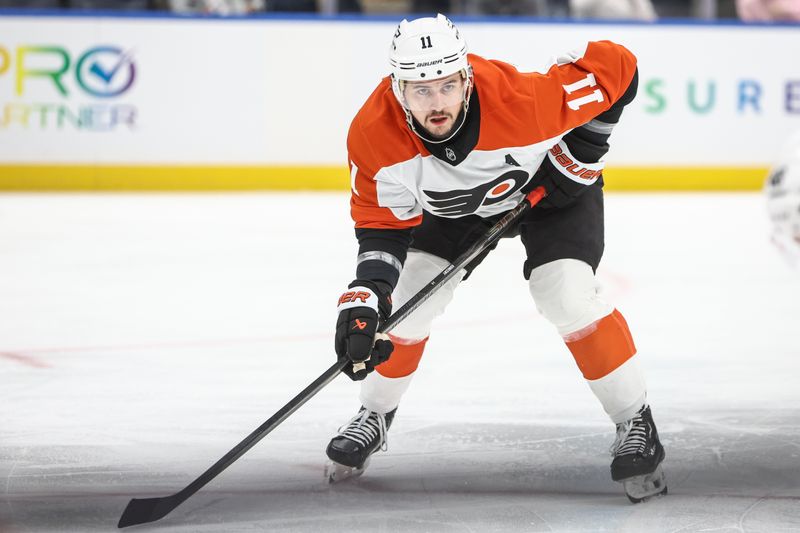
362, 308
563, 176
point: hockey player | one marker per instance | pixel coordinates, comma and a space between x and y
782, 190
443, 147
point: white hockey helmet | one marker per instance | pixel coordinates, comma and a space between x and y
782, 190
427, 48
424, 49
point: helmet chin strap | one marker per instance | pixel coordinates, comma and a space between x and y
456, 129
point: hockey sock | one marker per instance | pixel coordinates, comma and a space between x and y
404, 359
605, 353
602, 346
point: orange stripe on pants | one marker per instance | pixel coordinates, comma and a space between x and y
404, 359
602, 347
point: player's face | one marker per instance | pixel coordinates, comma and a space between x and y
436, 104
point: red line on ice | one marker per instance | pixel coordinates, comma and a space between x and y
24, 359
166, 344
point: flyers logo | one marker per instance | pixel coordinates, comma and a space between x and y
467, 201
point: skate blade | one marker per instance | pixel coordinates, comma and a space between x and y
642, 488
336, 473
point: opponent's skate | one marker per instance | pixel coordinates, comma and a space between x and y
637, 458
350, 450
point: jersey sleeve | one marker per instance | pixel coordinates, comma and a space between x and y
383, 208
607, 81
581, 85
377, 199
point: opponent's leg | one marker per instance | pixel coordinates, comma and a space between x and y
565, 292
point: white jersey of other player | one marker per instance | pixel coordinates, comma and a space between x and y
782, 190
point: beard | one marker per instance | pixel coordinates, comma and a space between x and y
445, 134
438, 116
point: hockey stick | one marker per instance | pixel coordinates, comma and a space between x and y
144, 510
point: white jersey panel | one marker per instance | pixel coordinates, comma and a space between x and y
485, 183
395, 194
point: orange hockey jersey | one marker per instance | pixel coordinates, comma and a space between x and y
523, 117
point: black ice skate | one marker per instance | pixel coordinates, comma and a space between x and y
637, 457
350, 450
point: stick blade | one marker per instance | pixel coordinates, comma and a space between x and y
145, 510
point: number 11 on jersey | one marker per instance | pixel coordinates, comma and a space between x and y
588, 81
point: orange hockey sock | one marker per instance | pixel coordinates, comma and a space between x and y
404, 359
602, 346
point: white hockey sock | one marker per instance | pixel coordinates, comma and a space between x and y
382, 394
621, 392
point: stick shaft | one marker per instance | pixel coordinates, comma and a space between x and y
492, 235
264, 429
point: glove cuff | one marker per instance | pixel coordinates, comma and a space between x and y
358, 296
367, 293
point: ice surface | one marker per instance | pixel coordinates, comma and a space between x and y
143, 336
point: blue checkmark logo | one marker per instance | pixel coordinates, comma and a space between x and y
107, 75
106, 71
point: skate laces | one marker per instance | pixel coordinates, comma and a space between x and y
631, 437
365, 427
